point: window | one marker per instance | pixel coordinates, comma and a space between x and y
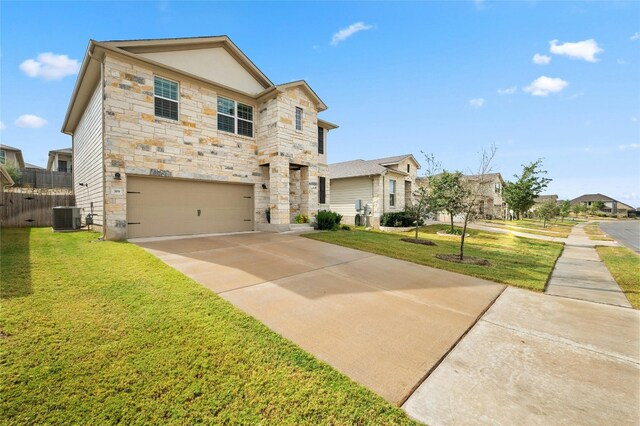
3, 156
497, 188
62, 166
392, 193
320, 140
408, 168
322, 191
298, 118
165, 97
234, 117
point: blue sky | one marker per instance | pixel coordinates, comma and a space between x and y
447, 78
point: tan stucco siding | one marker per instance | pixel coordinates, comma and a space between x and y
345, 192
87, 150
215, 64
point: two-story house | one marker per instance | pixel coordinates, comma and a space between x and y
492, 205
378, 186
11, 156
187, 136
60, 160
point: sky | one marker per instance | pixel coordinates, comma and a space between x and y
553, 80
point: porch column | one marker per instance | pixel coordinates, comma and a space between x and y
304, 191
279, 190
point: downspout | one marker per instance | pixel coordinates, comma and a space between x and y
104, 167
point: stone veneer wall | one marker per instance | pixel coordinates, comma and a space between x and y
138, 143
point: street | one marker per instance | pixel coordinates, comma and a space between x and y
626, 233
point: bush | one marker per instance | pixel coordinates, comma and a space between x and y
345, 228
397, 219
301, 218
328, 220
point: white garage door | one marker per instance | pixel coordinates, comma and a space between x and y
162, 206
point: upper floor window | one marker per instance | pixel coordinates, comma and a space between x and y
320, 140
62, 166
165, 98
234, 117
408, 168
298, 118
3, 156
392, 193
497, 188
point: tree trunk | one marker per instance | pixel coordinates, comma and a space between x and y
464, 231
451, 215
417, 222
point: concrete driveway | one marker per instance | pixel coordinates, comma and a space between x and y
385, 323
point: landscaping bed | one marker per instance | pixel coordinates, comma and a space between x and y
520, 262
103, 332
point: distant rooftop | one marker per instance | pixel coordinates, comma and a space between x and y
355, 168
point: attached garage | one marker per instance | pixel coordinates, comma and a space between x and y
163, 206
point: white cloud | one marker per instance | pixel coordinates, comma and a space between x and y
30, 121
345, 33
630, 146
508, 91
621, 62
635, 37
634, 119
585, 50
2, 126
543, 86
50, 66
477, 102
541, 59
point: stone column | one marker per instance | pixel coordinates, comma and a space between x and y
279, 192
304, 191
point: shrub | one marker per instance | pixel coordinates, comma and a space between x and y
328, 220
397, 219
345, 228
301, 218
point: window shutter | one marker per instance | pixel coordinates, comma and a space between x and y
322, 190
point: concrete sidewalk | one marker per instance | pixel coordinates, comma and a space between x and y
535, 359
580, 274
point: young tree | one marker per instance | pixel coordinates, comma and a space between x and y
421, 203
547, 210
448, 193
474, 191
563, 209
576, 209
596, 206
521, 193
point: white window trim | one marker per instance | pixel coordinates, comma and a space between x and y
3, 156
236, 118
392, 193
301, 118
167, 99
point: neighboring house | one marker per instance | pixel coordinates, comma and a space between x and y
493, 205
29, 166
541, 199
384, 185
611, 206
187, 136
11, 156
60, 160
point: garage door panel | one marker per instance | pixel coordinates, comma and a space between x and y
161, 207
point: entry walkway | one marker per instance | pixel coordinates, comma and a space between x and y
580, 274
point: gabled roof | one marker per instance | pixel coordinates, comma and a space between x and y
135, 49
356, 168
33, 166
9, 148
18, 153
599, 197
61, 151
487, 177
303, 84
545, 198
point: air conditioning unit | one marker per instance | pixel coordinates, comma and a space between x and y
66, 218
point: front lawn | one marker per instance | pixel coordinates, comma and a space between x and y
595, 233
624, 265
521, 262
554, 228
103, 333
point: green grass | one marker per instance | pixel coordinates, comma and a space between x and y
594, 232
554, 228
624, 265
520, 262
102, 333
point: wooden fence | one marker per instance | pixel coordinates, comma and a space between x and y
36, 178
30, 207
